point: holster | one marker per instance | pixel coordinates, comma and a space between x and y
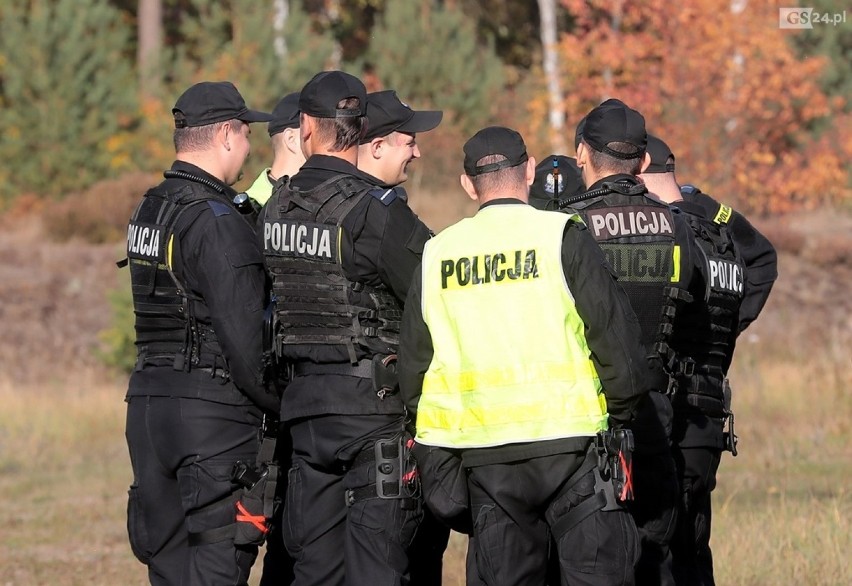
730, 436
257, 502
614, 474
396, 475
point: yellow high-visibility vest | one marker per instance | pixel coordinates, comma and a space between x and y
511, 363
261, 190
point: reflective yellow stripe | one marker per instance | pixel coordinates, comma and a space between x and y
723, 215
534, 374
169, 251
676, 262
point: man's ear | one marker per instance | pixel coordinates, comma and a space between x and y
225, 134
530, 170
581, 154
377, 146
467, 185
306, 127
646, 162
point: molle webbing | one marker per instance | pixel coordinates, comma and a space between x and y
166, 329
317, 303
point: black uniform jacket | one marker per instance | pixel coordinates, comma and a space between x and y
757, 253
383, 246
221, 263
611, 329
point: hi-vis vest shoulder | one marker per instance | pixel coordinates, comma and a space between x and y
510, 363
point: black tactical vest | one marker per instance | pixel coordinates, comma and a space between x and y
315, 302
706, 332
637, 236
166, 329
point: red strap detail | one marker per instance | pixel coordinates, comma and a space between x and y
409, 476
627, 489
259, 521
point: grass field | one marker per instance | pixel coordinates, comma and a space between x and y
782, 509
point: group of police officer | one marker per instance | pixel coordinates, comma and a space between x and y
556, 380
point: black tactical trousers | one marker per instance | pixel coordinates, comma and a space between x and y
332, 542
182, 452
514, 506
277, 564
655, 488
426, 556
692, 560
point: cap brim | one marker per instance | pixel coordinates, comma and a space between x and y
422, 121
255, 116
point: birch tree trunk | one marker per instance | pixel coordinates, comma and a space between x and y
150, 25
547, 9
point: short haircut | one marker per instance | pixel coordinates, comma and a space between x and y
609, 165
196, 138
342, 133
507, 179
397, 138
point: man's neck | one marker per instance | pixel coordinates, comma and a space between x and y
283, 167
204, 161
349, 155
666, 189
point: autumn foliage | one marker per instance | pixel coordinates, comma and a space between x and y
721, 84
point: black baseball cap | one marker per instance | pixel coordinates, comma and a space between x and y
320, 96
614, 121
494, 140
660, 154
386, 113
545, 187
285, 114
209, 102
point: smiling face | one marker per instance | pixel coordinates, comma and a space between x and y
396, 150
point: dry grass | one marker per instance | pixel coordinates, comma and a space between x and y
782, 508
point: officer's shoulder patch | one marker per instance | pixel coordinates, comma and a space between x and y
219, 208
384, 194
724, 214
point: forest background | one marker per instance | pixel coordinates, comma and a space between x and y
758, 115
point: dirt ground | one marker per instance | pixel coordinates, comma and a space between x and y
53, 296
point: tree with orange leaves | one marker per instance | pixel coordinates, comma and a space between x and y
719, 81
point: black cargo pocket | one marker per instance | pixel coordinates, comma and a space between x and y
292, 526
137, 531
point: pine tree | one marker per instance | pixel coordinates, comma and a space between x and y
67, 93
431, 55
239, 42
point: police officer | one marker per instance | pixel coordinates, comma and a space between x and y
650, 248
390, 143
387, 149
196, 397
756, 251
286, 148
557, 177
342, 254
524, 393
706, 334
